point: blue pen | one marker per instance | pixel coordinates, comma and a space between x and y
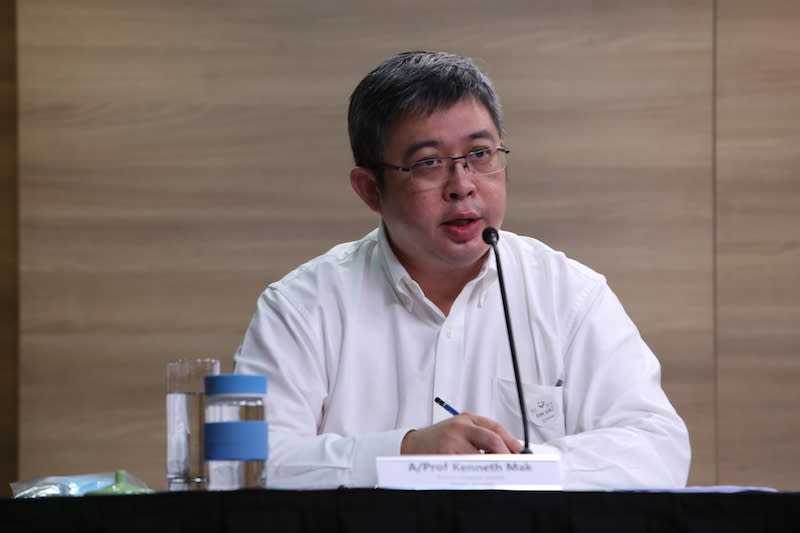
449, 408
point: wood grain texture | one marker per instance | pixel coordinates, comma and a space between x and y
758, 242
178, 156
610, 116
9, 278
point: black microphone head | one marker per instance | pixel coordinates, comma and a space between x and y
490, 236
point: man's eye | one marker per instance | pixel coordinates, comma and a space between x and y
427, 163
480, 154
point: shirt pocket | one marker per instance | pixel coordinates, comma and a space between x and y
545, 405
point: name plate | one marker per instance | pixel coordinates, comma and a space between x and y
484, 471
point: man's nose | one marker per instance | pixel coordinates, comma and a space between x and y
461, 182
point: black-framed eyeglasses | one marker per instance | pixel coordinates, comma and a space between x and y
478, 162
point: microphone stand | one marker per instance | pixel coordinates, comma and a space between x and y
490, 237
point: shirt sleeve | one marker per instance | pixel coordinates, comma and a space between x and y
622, 432
287, 345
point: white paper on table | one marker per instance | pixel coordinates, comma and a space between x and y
480, 471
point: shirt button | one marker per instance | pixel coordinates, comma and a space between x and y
449, 333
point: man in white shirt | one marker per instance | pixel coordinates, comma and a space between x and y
359, 341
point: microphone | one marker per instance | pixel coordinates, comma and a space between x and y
490, 237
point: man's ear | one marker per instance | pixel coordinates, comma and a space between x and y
364, 183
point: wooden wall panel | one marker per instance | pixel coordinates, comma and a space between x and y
758, 242
176, 157
9, 279
610, 117
159, 197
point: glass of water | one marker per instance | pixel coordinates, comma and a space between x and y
185, 417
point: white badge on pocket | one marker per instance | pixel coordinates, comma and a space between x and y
544, 406
543, 411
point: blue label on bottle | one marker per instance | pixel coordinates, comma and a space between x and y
236, 441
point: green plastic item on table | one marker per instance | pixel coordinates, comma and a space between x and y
120, 486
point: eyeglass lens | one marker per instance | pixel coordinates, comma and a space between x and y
479, 162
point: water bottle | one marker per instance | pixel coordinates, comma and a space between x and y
235, 432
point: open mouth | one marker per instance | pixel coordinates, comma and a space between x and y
460, 222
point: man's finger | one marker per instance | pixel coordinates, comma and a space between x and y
510, 444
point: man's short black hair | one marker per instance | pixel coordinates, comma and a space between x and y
411, 82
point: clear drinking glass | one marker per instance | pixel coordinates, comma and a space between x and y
185, 417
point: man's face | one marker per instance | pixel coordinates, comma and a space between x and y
438, 228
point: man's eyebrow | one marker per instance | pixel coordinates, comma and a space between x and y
418, 146
480, 134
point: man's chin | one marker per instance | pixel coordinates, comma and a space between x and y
468, 253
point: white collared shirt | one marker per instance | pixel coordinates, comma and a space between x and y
355, 354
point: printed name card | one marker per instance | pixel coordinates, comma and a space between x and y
484, 471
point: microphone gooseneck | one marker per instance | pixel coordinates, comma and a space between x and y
490, 237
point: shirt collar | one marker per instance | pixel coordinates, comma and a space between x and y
396, 274
408, 290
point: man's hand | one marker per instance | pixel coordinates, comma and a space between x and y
465, 433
